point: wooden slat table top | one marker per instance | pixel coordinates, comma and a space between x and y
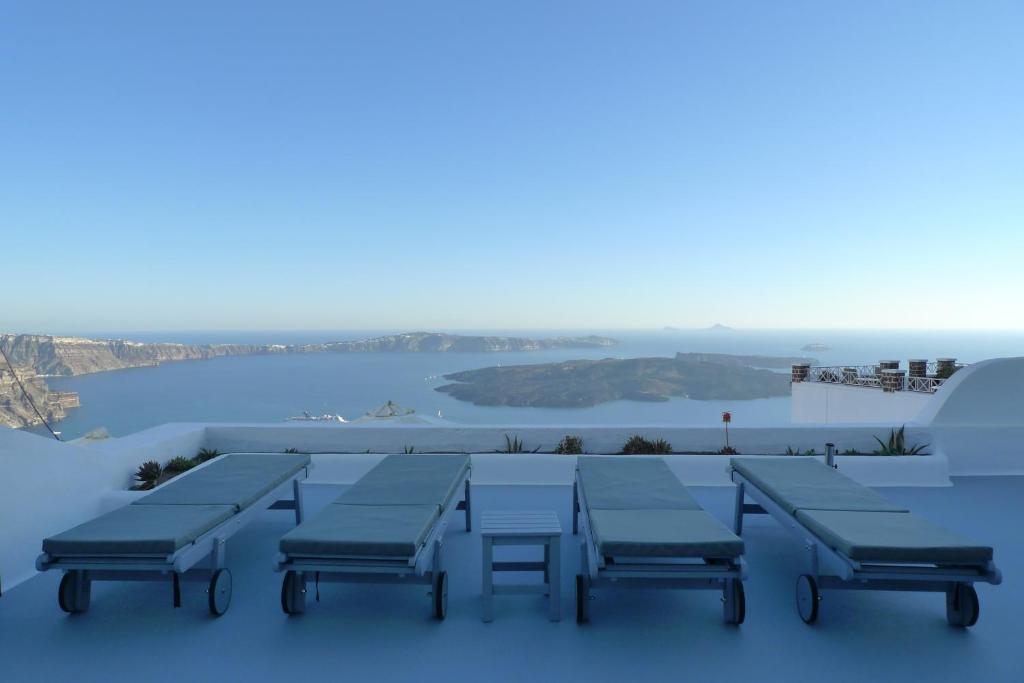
520, 523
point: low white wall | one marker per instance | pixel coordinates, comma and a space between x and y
45, 488
824, 403
483, 439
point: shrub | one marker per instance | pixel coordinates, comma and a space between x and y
147, 475
409, 450
896, 445
570, 445
637, 445
205, 454
179, 464
292, 450
728, 450
796, 451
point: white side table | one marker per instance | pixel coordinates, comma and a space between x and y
522, 528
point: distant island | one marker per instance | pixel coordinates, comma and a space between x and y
584, 383
719, 327
815, 348
35, 357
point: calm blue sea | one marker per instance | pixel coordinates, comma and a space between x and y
271, 388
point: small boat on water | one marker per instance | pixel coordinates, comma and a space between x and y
306, 417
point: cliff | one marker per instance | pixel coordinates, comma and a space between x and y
79, 356
436, 342
15, 409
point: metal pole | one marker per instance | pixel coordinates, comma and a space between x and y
830, 455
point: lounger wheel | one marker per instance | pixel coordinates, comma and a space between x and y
807, 598
582, 600
219, 592
962, 607
72, 594
293, 594
440, 593
735, 611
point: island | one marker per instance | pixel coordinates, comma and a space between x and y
34, 357
815, 348
584, 383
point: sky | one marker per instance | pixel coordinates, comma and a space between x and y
516, 165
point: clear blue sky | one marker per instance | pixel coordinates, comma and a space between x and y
448, 165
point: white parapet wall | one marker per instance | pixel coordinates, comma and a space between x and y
826, 403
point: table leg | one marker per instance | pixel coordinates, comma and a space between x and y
487, 587
555, 577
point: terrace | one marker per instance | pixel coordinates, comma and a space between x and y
972, 482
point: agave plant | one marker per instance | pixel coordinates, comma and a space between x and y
896, 445
147, 475
409, 450
179, 464
570, 445
205, 454
292, 450
514, 444
796, 451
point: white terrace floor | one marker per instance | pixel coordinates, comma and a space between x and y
383, 633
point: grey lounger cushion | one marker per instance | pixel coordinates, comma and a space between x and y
238, 479
139, 530
408, 480
632, 483
800, 483
662, 533
891, 537
362, 530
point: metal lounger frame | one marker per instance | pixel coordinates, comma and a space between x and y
850, 574
626, 572
423, 567
181, 564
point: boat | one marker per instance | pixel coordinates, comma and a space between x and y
306, 417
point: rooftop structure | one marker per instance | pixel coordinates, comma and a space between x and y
887, 391
972, 482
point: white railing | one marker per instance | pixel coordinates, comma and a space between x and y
871, 376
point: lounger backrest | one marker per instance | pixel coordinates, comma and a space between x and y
238, 479
631, 483
409, 480
802, 483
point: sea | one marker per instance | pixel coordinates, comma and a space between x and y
271, 388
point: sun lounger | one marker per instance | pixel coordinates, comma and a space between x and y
166, 533
643, 529
856, 539
387, 528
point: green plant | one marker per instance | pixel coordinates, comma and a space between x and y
728, 450
896, 445
179, 464
409, 450
946, 371
292, 450
570, 445
515, 445
147, 475
636, 445
796, 451
205, 454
